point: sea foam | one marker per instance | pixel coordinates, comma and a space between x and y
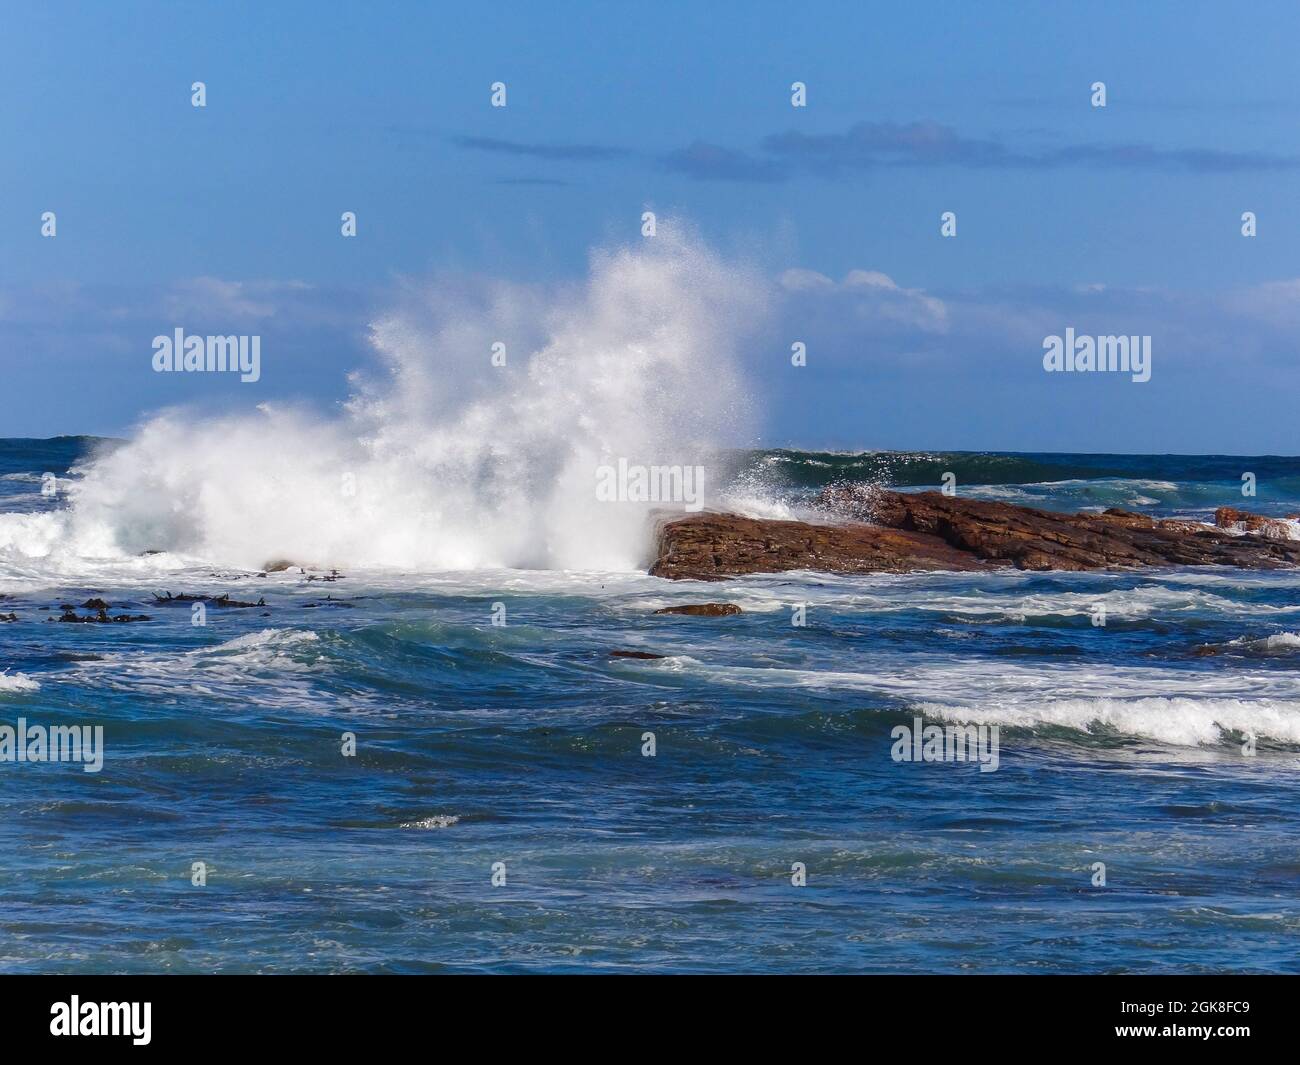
444, 460
17, 682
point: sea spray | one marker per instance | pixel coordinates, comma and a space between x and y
451, 460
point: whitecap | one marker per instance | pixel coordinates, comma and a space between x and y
17, 682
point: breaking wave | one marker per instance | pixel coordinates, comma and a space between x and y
1187, 722
17, 682
447, 461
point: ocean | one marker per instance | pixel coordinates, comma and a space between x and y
519, 800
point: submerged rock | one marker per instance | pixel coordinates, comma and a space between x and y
333, 575
218, 600
702, 610
634, 654
100, 617
879, 531
329, 600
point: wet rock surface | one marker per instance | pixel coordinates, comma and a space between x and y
702, 610
1244, 522
211, 600
880, 531
712, 547
101, 615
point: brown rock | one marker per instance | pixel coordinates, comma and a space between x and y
702, 610
1244, 521
712, 547
1040, 539
913, 531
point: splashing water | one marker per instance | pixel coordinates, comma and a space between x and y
450, 462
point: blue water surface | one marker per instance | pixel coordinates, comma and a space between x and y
520, 749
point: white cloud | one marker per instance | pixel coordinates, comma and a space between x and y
866, 296
236, 299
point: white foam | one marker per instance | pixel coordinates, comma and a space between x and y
1278, 643
763, 507
17, 682
1169, 705
273, 639
1179, 721
436, 821
266, 668
446, 461
49, 549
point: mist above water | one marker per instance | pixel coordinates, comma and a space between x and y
443, 460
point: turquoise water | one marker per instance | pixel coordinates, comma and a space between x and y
522, 744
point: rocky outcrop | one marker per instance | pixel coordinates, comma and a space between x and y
1245, 522
712, 547
1042, 540
878, 531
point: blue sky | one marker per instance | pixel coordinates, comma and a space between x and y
1124, 219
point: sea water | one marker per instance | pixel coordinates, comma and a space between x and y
413, 750
500, 812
